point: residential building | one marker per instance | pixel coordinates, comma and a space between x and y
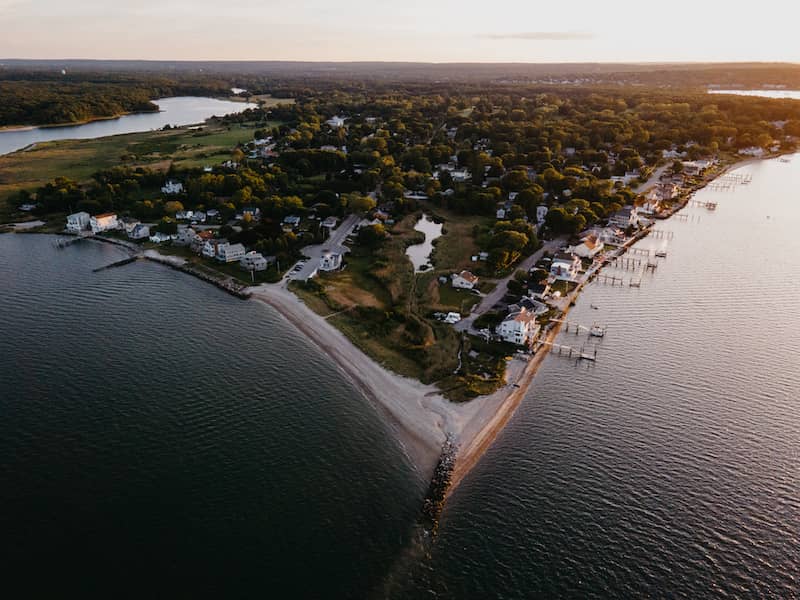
185, 236
158, 237
329, 223
139, 232
255, 261
464, 280
229, 253
589, 247
625, 217
172, 187
330, 261
211, 246
292, 221
199, 240
565, 267
104, 222
336, 122
541, 213
519, 327
78, 221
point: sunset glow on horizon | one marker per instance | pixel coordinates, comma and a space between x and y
413, 30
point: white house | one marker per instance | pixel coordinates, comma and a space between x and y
172, 187
519, 328
464, 280
210, 247
752, 151
291, 221
501, 213
158, 237
336, 121
541, 213
330, 261
565, 267
139, 232
229, 253
78, 221
625, 217
452, 318
104, 222
253, 261
589, 247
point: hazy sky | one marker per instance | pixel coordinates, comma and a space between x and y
413, 30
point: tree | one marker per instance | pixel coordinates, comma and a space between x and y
172, 207
371, 235
167, 226
359, 203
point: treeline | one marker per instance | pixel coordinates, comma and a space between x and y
71, 99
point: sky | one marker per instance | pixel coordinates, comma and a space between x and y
401, 30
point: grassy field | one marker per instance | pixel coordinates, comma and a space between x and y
80, 159
453, 251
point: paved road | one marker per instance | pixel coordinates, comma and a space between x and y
497, 294
334, 244
654, 178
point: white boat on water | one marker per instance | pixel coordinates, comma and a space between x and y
597, 331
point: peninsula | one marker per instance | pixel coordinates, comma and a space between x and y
311, 207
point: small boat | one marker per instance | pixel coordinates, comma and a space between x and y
592, 306
597, 331
661, 254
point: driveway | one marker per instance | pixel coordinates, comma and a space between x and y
335, 243
499, 292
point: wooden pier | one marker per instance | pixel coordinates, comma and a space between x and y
571, 352
578, 328
609, 279
662, 234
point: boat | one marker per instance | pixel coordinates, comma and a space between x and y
597, 331
592, 306
661, 254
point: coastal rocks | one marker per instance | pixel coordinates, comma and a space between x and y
440, 483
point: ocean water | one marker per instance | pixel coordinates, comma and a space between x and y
162, 439
670, 468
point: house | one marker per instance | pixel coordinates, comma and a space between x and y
589, 247
501, 214
625, 217
78, 222
696, 167
211, 246
291, 221
28, 207
185, 236
253, 212
531, 305
519, 327
159, 237
199, 240
565, 267
329, 223
255, 261
330, 261
172, 187
212, 213
229, 253
752, 151
104, 222
541, 213
464, 280
139, 232
336, 122
452, 318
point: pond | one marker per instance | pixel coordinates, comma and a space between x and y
420, 254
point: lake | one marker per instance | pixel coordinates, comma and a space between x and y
187, 110
160, 434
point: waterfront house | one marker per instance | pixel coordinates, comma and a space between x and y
199, 240
229, 253
519, 327
464, 280
330, 261
172, 187
589, 247
625, 217
185, 236
255, 261
210, 247
158, 237
140, 231
104, 222
565, 267
78, 222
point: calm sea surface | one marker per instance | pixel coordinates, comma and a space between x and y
160, 437
156, 430
185, 110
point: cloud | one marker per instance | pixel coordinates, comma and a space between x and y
547, 36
